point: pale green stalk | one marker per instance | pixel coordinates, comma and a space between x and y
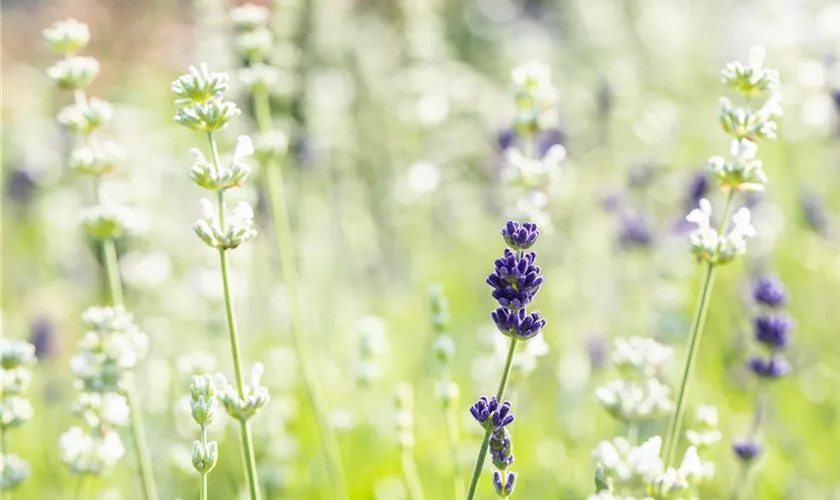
244, 427
203, 489
485, 443
411, 476
669, 448
451, 423
286, 251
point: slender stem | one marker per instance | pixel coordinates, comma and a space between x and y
80, 484
633, 433
669, 449
451, 423
138, 436
411, 476
286, 250
485, 443
203, 487
694, 337
245, 430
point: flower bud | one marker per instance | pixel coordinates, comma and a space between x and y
74, 73
204, 458
66, 37
199, 86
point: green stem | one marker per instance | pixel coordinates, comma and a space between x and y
633, 433
80, 486
245, 430
485, 443
451, 423
286, 250
141, 450
669, 448
203, 486
411, 476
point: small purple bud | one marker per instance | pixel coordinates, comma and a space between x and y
770, 292
510, 484
773, 330
774, 367
497, 482
747, 451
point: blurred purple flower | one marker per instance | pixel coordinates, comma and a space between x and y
776, 366
42, 336
635, 232
549, 139
747, 451
769, 291
773, 330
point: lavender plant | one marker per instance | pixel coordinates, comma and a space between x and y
404, 405
515, 282
772, 329
448, 390
17, 357
201, 107
203, 406
253, 42
114, 345
741, 173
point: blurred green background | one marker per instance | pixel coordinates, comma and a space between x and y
394, 110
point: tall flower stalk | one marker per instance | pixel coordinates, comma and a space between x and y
515, 282
448, 390
17, 357
742, 172
404, 402
103, 223
253, 41
201, 107
772, 329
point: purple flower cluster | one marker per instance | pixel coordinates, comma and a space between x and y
772, 329
501, 448
490, 414
515, 281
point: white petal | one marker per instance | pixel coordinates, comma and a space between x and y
244, 148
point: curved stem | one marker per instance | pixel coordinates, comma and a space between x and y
244, 427
485, 443
286, 250
411, 476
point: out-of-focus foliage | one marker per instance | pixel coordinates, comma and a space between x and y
397, 113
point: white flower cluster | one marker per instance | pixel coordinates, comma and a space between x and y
108, 352
200, 100
535, 98
707, 244
83, 117
744, 172
253, 41
244, 404
17, 357
640, 394
372, 345
630, 472
206, 175
238, 226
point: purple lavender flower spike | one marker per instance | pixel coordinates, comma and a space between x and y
490, 414
774, 367
747, 451
520, 237
482, 409
518, 324
773, 330
770, 292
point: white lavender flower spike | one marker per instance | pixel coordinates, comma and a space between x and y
66, 37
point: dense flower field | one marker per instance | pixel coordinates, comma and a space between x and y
420, 250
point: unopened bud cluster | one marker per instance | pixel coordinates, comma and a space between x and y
743, 171
17, 358
404, 415
372, 346
203, 407
90, 156
253, 398
108, 352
